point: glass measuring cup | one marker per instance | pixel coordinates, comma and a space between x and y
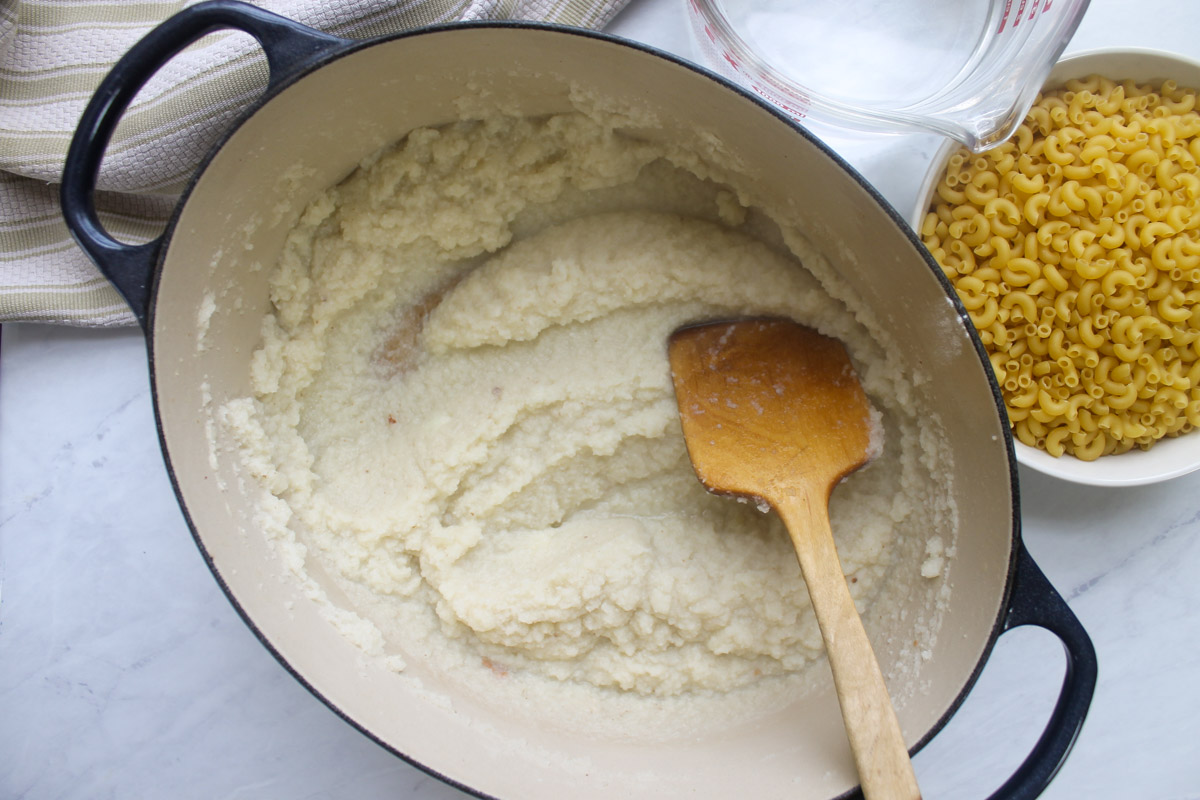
967, 69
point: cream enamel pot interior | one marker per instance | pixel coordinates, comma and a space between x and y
329, 103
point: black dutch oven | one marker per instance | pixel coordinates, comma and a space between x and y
329, 103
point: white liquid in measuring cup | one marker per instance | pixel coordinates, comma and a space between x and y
967, 69
865, 52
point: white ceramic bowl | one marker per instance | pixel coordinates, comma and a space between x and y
1169, 458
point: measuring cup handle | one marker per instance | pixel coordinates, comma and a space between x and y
1035, 602
290, 48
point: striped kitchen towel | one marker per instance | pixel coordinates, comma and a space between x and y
53, 54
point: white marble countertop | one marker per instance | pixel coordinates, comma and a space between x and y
125, 673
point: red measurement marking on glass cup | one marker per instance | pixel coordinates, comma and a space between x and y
732, 67
1034, 10
797, 110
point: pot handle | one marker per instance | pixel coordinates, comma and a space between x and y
290, 48
1034, 601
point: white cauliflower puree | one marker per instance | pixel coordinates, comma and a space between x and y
463, 405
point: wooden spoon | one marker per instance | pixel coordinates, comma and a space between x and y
773, 411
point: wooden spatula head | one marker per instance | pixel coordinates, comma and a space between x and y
773, 410
766, 403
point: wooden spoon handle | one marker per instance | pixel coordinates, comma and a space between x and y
884, 767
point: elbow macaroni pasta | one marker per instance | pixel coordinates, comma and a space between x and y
1075, 247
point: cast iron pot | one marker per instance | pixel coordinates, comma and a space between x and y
329, 103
